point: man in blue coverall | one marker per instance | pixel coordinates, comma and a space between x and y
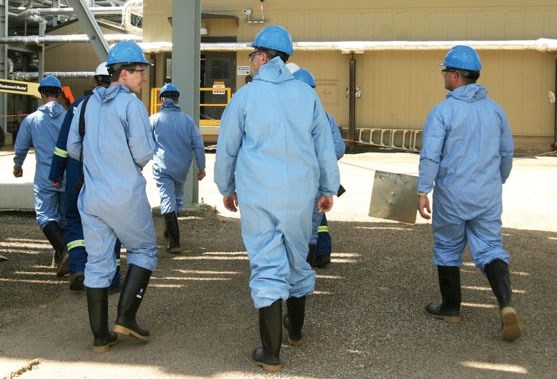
113, 202
466, 157
73, 231
177, 139
320, 242
40, 130
274, 153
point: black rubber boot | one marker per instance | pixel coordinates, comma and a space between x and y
497, 273
132, 293
172, 232
270, 329
449, 284
324, 245
293, 320
321, 261
55, 235
97, 305
312, 252
76, 281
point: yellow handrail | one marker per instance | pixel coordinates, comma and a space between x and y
156, 104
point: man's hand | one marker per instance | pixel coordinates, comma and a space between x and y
231, 202
18, 171
201, 174
324, 203
56, 184
423, 206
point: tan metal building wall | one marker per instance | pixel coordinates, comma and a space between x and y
398, 87
67, 57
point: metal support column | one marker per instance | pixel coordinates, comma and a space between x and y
186, 60
554, 144
352, 102
42, 29
91, 27
3, 64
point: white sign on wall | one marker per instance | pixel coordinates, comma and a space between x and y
242, 70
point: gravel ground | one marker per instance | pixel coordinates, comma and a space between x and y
366, 319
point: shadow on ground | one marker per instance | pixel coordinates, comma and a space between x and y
365, 320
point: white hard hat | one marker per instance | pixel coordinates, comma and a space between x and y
292, 67
102, 70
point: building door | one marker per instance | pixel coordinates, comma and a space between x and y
217, 70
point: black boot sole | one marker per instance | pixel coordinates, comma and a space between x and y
432, 310
174, 249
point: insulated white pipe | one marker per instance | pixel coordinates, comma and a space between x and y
360, 47
68, 11
66, 38
26, 76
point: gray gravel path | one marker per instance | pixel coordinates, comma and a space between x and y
366, 319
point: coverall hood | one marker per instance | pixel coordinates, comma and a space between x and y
274, 71
52, 109
107, 94
170, 104
469, 93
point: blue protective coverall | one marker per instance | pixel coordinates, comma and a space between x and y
177, 138
40, 130
113, 204
275, 151
466, 156
73, 231
319, 220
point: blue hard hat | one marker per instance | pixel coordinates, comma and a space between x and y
50, 81
169, 87
462, 57
305, 76
126, 52
274, 37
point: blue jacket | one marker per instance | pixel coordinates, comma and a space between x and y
340, 147
118, 143
60, 157
40, 129
270, 148
177, 138
467, 152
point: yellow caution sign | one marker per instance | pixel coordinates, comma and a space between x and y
20, 88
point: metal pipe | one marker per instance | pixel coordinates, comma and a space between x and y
66, 38
132, 7
160, 47
27, 76
352, 102
543, 45
68, 11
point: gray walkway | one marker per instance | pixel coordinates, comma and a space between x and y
529, 200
